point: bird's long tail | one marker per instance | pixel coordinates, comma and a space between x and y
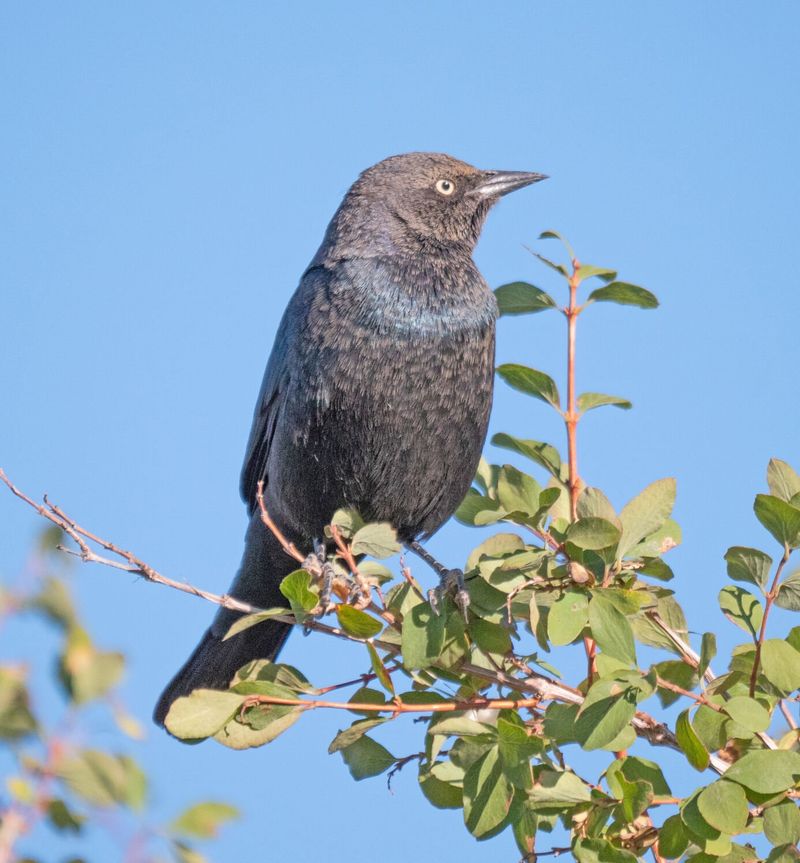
214, 662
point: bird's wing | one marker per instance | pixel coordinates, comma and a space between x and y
265, 417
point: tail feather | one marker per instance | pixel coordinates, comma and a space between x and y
214, 662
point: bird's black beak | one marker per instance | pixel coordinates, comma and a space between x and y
494, 184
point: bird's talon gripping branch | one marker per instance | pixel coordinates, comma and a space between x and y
451, 584
322, 571
360, 595
451, 581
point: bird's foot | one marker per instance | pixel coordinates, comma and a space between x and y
451, 583
322, 571
360, 595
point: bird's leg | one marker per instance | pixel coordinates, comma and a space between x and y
450, 581
318, 565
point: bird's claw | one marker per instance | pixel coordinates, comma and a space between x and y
360, 595
320, 568
451, 581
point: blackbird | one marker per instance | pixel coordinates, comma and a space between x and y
377, 392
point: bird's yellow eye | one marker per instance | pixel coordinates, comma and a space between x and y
445, 187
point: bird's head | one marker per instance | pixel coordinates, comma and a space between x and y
431, 199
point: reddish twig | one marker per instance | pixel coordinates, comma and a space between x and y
396, 706
571, 416
289, 547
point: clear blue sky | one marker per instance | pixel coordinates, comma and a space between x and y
167, 173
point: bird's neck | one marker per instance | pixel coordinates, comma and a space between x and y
375, 230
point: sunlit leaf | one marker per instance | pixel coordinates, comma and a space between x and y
203, 820
589, 401
519, 298
624, 294
530, 381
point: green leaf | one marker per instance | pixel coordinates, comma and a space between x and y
671, 613
673, 838
646, 513
357, 622
519, 298
766, 771
559, 268
183, 854
383, 676
724, 806
555, 235
600, 851
699, 827
347, 521
203, 820
296, 587
708, 650
593, 533
780, 663
16, 718
553, 789
783, 854
747, 712
741, 608
487, 794
588, 271
248, 620
278, 673
690, 743
103, 779
349, 736
782, 823
517, 491
422, 636
63, 818
634, 797
377, 540
637, 769
366, 757
589, 401
592, 503
568, 615
442, 795
496, 546
202, 713
782, 479
473, 505
677, 672
374, 572
530, 381
711, 727
607, 709
261, 725
611, 630
491, 638
624, 294
86, 672
54, 600
748, 564
789, 592
543, 454
781, 519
